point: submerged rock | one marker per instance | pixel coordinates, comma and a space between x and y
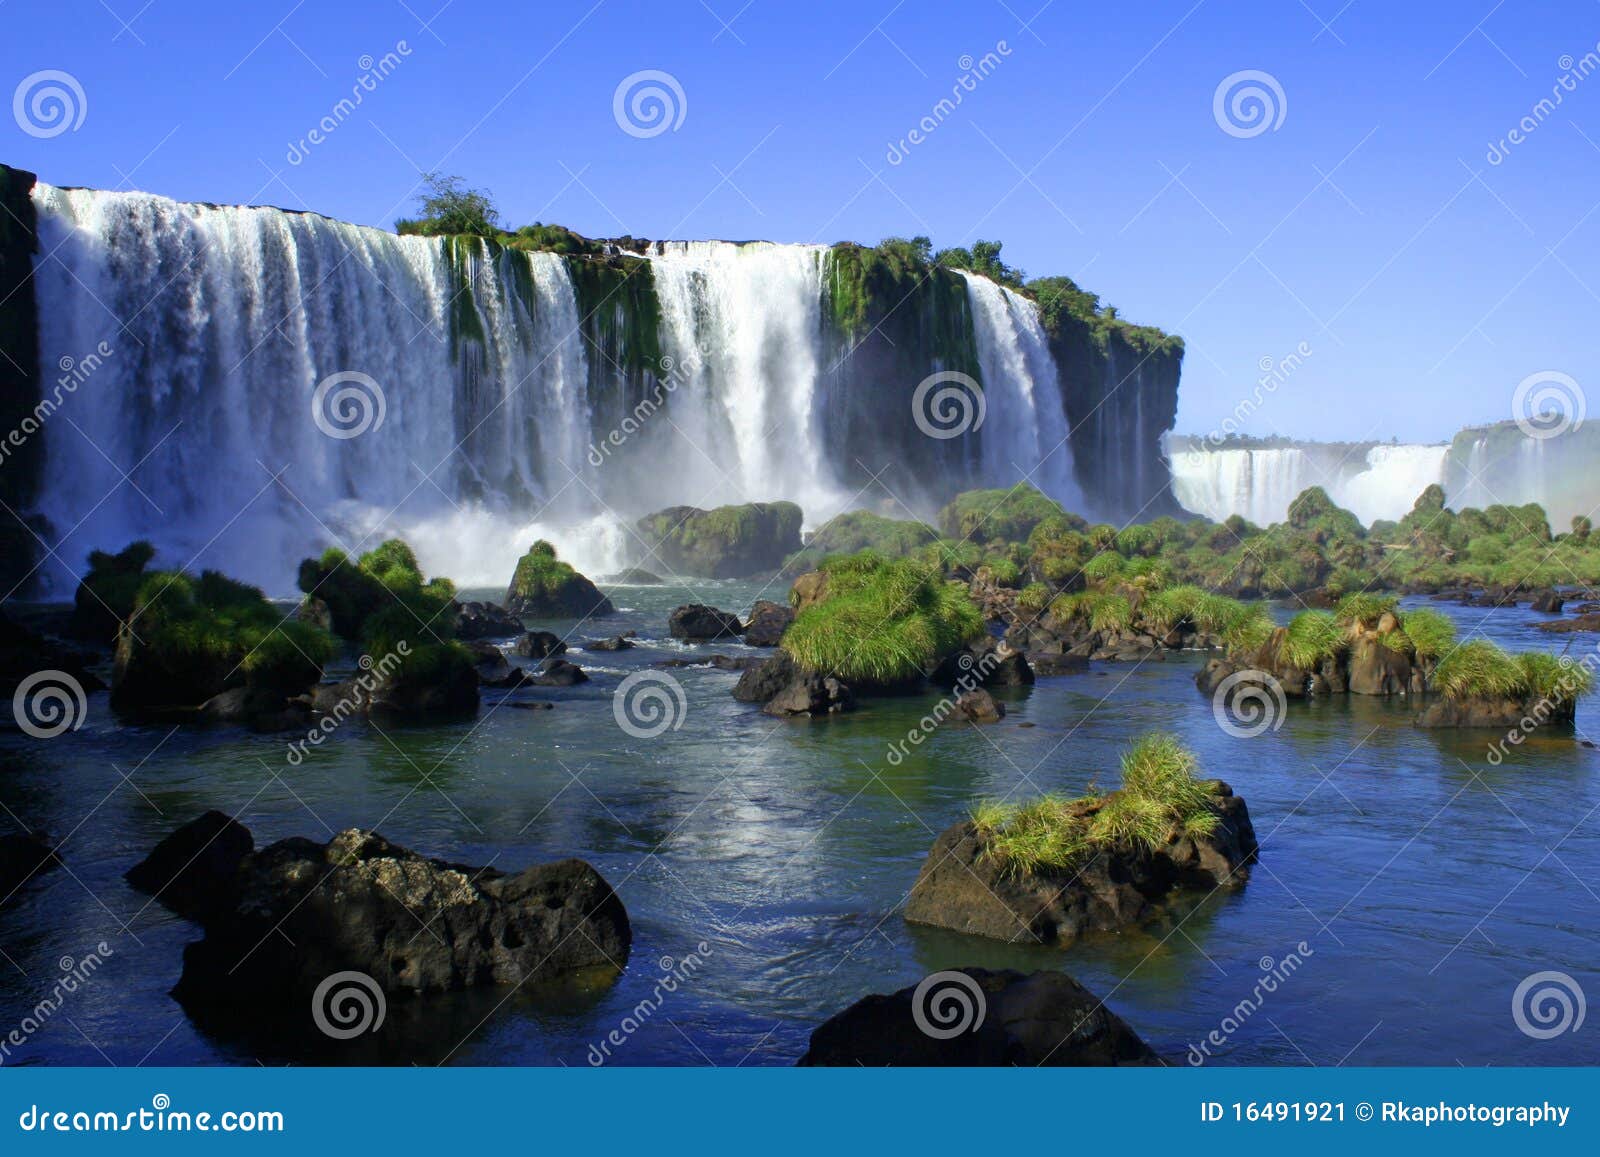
634, 577
700, 623
192, 870
1500, 713
810, 693
300, 912
614, 643
975, 1017
1548, 601
978, 706
964, 888
767, 623
1588, 621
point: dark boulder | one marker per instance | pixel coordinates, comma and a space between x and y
260, 709
975, 1017
964, 888
978, 706
761, 682
1045, 664
1502, 714
559, 673
767, 623
486, 621
23, 857
1590, 621
615, 643
633, 577
192, 870
700, 623
302, 912
810, 693
986, 662
539, 645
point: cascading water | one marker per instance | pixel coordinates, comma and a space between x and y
1260, 483
222, 321
277, 382
742, 325
1024, 434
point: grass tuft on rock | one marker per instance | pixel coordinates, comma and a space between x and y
1364, 608
1160, 798
883, 621
1478, 669
1311, 637
1431, 632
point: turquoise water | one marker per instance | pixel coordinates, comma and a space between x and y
1424, 883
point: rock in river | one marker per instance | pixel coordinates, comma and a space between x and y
300, 912
975, 1017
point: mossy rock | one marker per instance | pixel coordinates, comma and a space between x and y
544, 587
988, 516
861, 530
728, 542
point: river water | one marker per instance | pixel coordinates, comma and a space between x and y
1423, 883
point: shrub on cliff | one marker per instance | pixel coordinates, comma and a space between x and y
883, 621
448, 208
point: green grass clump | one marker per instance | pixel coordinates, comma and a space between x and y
1104, 567
1111, 612
1160, 798
1431, 632
209, 633
1165, 609
1546, 677
1033, 599
1477, 669
883, 621
1364, 608
1311, 637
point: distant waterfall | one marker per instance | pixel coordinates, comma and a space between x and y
1259, 483
1025, 423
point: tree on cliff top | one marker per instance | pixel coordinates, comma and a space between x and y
449, 207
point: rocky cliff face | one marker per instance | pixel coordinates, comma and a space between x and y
20, 452
1121, 392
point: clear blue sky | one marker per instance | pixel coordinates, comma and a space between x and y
1369, 224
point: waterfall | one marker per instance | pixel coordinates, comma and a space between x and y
253, 385
742, 325
1260, 483
220, 324
1024, 434
1395, 476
